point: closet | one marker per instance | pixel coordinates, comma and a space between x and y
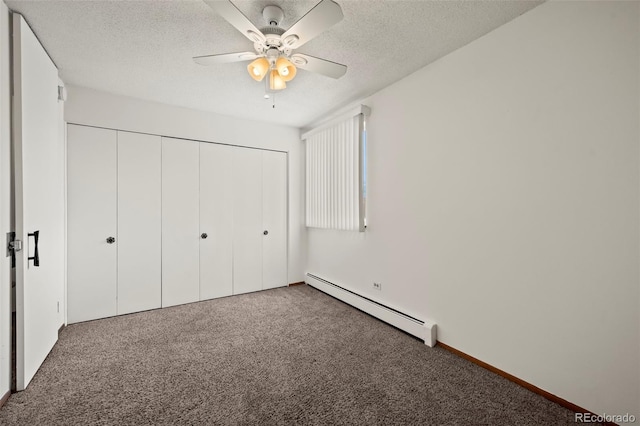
223, 220
138, 237
113, 222
156, 221
180, 222
216, 221
274, 219
259, 206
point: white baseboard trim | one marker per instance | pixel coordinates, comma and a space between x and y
424, 330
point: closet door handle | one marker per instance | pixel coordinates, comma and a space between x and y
204, 235
36, 255
265, 232
111, 240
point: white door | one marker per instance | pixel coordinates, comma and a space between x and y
139, 285
216, 221
91, 222
39, 201
274, 219
180, 222
247, 220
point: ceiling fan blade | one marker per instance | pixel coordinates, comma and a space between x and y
317, 65
232, 14
225, 58
324, 15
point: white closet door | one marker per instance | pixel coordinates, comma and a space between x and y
91, 220
216, 221
139, 222
274, 218
180, 222
247, 220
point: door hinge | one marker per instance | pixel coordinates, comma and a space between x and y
13, 246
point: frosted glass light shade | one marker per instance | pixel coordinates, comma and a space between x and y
258, 69
275, 81
286, 69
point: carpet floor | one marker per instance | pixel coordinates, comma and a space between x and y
291, 355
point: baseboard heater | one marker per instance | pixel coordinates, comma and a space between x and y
424, 330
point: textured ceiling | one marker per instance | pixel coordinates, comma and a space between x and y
143, 49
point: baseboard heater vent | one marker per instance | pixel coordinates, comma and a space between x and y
425, 330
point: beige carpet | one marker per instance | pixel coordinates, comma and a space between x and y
285, 356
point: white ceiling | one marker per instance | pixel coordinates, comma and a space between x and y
143, 49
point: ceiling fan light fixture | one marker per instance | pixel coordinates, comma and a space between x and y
273, 45
286, 69
258, 69
275, 81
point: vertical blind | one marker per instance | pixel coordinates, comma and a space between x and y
334, 196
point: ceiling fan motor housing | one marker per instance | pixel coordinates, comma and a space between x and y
272, 36
272, 55
273, 15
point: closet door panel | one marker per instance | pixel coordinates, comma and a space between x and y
216, 221
139, 222
247, 220
180, 222
91, 219
274, 217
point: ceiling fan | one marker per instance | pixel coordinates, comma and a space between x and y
274, 46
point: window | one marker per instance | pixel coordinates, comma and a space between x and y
336, 173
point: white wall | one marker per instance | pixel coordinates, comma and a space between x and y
5, 201
90, 107
504, 202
